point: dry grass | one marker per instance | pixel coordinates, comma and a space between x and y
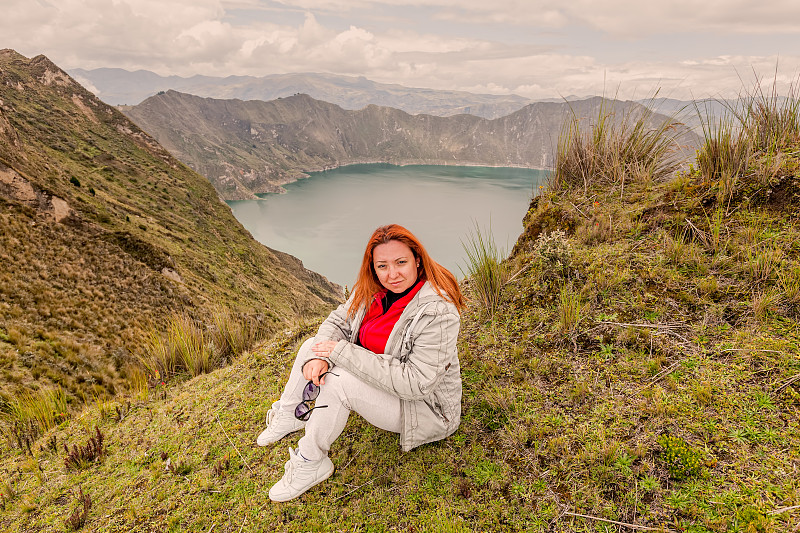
190, 346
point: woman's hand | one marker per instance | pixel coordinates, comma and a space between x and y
313, 369
324, 348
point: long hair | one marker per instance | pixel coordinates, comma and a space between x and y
367, 283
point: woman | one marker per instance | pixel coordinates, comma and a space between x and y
388, 353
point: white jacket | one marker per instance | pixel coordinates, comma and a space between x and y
420, 364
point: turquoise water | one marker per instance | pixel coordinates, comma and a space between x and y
326, 219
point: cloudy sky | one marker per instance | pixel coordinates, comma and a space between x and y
534, 48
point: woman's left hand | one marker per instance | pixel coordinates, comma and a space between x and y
324, 348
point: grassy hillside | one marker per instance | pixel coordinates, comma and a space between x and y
639, 372
103, 235
250, 147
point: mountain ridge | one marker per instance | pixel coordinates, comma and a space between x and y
252, 147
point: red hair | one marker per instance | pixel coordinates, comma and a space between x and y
367, 284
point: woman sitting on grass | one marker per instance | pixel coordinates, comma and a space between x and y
389, 353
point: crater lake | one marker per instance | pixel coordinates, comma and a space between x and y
326, 219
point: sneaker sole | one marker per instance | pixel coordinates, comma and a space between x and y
317, 482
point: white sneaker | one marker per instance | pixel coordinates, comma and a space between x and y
300, 476
279, 424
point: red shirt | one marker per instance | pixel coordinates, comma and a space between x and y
377, 325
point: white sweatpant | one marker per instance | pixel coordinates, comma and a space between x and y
342, 393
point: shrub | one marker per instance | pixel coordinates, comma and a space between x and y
73, 180
554, 252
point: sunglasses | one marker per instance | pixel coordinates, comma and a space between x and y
310, 393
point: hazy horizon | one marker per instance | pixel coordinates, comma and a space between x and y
538, 49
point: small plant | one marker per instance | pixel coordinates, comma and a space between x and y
78, 517
179, 469
765, 302
649, 483
761, 265
554, 252
623, 464
79, 457
7, 492
569, 309
122, 411
681, 459
221, 467
789, 283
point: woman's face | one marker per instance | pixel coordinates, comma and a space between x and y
395, 265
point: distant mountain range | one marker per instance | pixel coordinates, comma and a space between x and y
250, 147
121, 87
103, 234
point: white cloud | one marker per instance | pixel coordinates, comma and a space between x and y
187, 37
617, 17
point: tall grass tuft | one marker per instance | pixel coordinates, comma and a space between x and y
772, 122
34, 413
569, 307
611, 150
187, 338
725, 154
161, 359
759, 122
233, 334
485, 271
190, 347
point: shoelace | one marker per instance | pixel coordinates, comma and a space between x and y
289, 472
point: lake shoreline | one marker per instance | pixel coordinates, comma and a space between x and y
306, 173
